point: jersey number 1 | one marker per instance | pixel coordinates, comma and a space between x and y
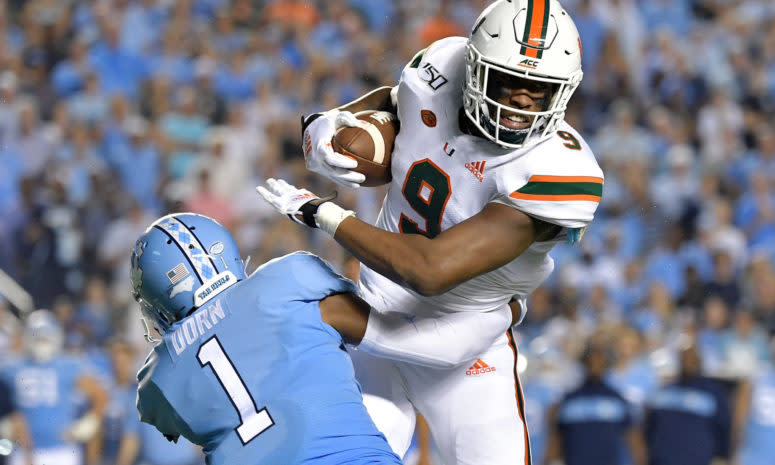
254, 421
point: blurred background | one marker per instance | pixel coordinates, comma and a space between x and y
114, 112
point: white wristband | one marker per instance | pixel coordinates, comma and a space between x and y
329, 215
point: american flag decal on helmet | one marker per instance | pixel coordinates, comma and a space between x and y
177, 273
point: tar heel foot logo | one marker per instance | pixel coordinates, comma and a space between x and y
213, 287
432, 76
187, 285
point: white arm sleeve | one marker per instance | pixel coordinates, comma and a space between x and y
444, 341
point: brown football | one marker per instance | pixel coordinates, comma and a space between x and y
370, 144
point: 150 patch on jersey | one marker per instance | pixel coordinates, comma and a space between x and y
432, 76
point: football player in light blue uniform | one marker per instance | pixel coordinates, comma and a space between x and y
49, 390
756, 402
247, 367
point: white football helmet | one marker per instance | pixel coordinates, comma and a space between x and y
535, 40
43, 336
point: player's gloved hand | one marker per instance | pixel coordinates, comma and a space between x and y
304, 207
317, 131
83, 429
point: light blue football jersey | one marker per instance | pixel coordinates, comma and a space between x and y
758, 446
46, 394
539, 397
256, 377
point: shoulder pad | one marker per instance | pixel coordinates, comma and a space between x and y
560, 181
440, 64
301, 276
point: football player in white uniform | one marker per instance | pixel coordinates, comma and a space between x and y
485, 181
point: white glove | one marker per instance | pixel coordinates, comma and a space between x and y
83, 429
6, 447
318, 130
304, 207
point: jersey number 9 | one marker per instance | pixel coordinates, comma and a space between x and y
427, 190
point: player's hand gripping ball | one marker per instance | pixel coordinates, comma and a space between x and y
369, 142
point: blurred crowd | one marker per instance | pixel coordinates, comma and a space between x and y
114, 112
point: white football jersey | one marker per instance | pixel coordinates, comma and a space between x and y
442, 176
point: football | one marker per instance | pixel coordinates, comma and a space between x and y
370, 144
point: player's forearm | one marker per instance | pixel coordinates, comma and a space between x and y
128, 450
94, 450
377, 99
740, 413
637, 448
97, 396
406, 259
493, 237
21, 434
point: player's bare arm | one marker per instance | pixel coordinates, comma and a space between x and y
432, 266
378, 99
86, 427
349, 315
346, 313
428, 266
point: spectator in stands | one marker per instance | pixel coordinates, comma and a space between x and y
30, 140
632, 374
723, 283
439, 26
745, 345
184, 130
69, 75
754, 418
593, 424
694, 410
710, 336
205, 201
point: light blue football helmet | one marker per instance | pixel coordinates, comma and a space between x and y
43, 335
181, 262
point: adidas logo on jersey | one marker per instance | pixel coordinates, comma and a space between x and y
479, 368
477, 168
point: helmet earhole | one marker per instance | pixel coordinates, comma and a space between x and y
169, 241
192, 228
190, 246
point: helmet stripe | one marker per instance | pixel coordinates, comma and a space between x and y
191, 247
201, 246
183, 251
536, 24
